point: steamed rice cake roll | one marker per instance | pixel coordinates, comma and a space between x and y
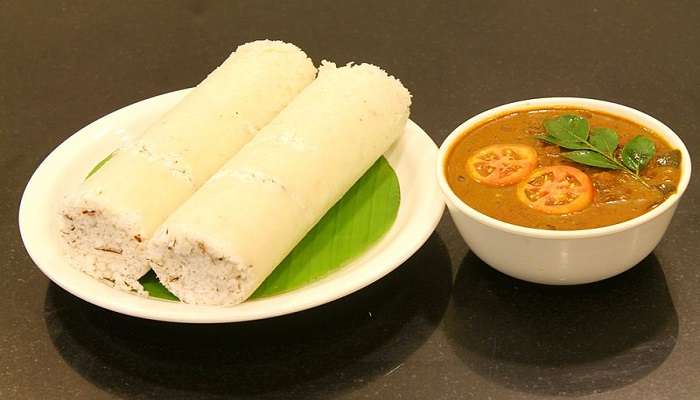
109, 219
220, 245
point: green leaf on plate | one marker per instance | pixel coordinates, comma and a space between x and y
101, 164
350, 227
605, 140
356, 222
154, 288
590, 157
638, 152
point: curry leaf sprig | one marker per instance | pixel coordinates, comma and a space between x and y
598, 147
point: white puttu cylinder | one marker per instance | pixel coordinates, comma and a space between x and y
220, 245
109, 219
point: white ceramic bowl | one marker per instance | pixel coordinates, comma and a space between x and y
562, 257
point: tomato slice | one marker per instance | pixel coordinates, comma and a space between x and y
502, 164
556, 190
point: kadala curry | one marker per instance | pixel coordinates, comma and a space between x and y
562, 169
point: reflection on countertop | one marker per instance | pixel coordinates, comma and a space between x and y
562, 340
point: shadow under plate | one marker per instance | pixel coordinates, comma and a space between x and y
311, 354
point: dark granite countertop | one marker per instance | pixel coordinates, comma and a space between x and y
442, 326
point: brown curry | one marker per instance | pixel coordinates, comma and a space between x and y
503, 170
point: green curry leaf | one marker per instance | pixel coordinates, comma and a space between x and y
563, 143
568, 131
638, 152
605, 140
571, 132
590, 157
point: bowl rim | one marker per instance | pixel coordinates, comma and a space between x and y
615, 109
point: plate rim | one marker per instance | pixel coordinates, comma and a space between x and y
133, 305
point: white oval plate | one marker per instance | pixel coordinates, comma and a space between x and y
412, 157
